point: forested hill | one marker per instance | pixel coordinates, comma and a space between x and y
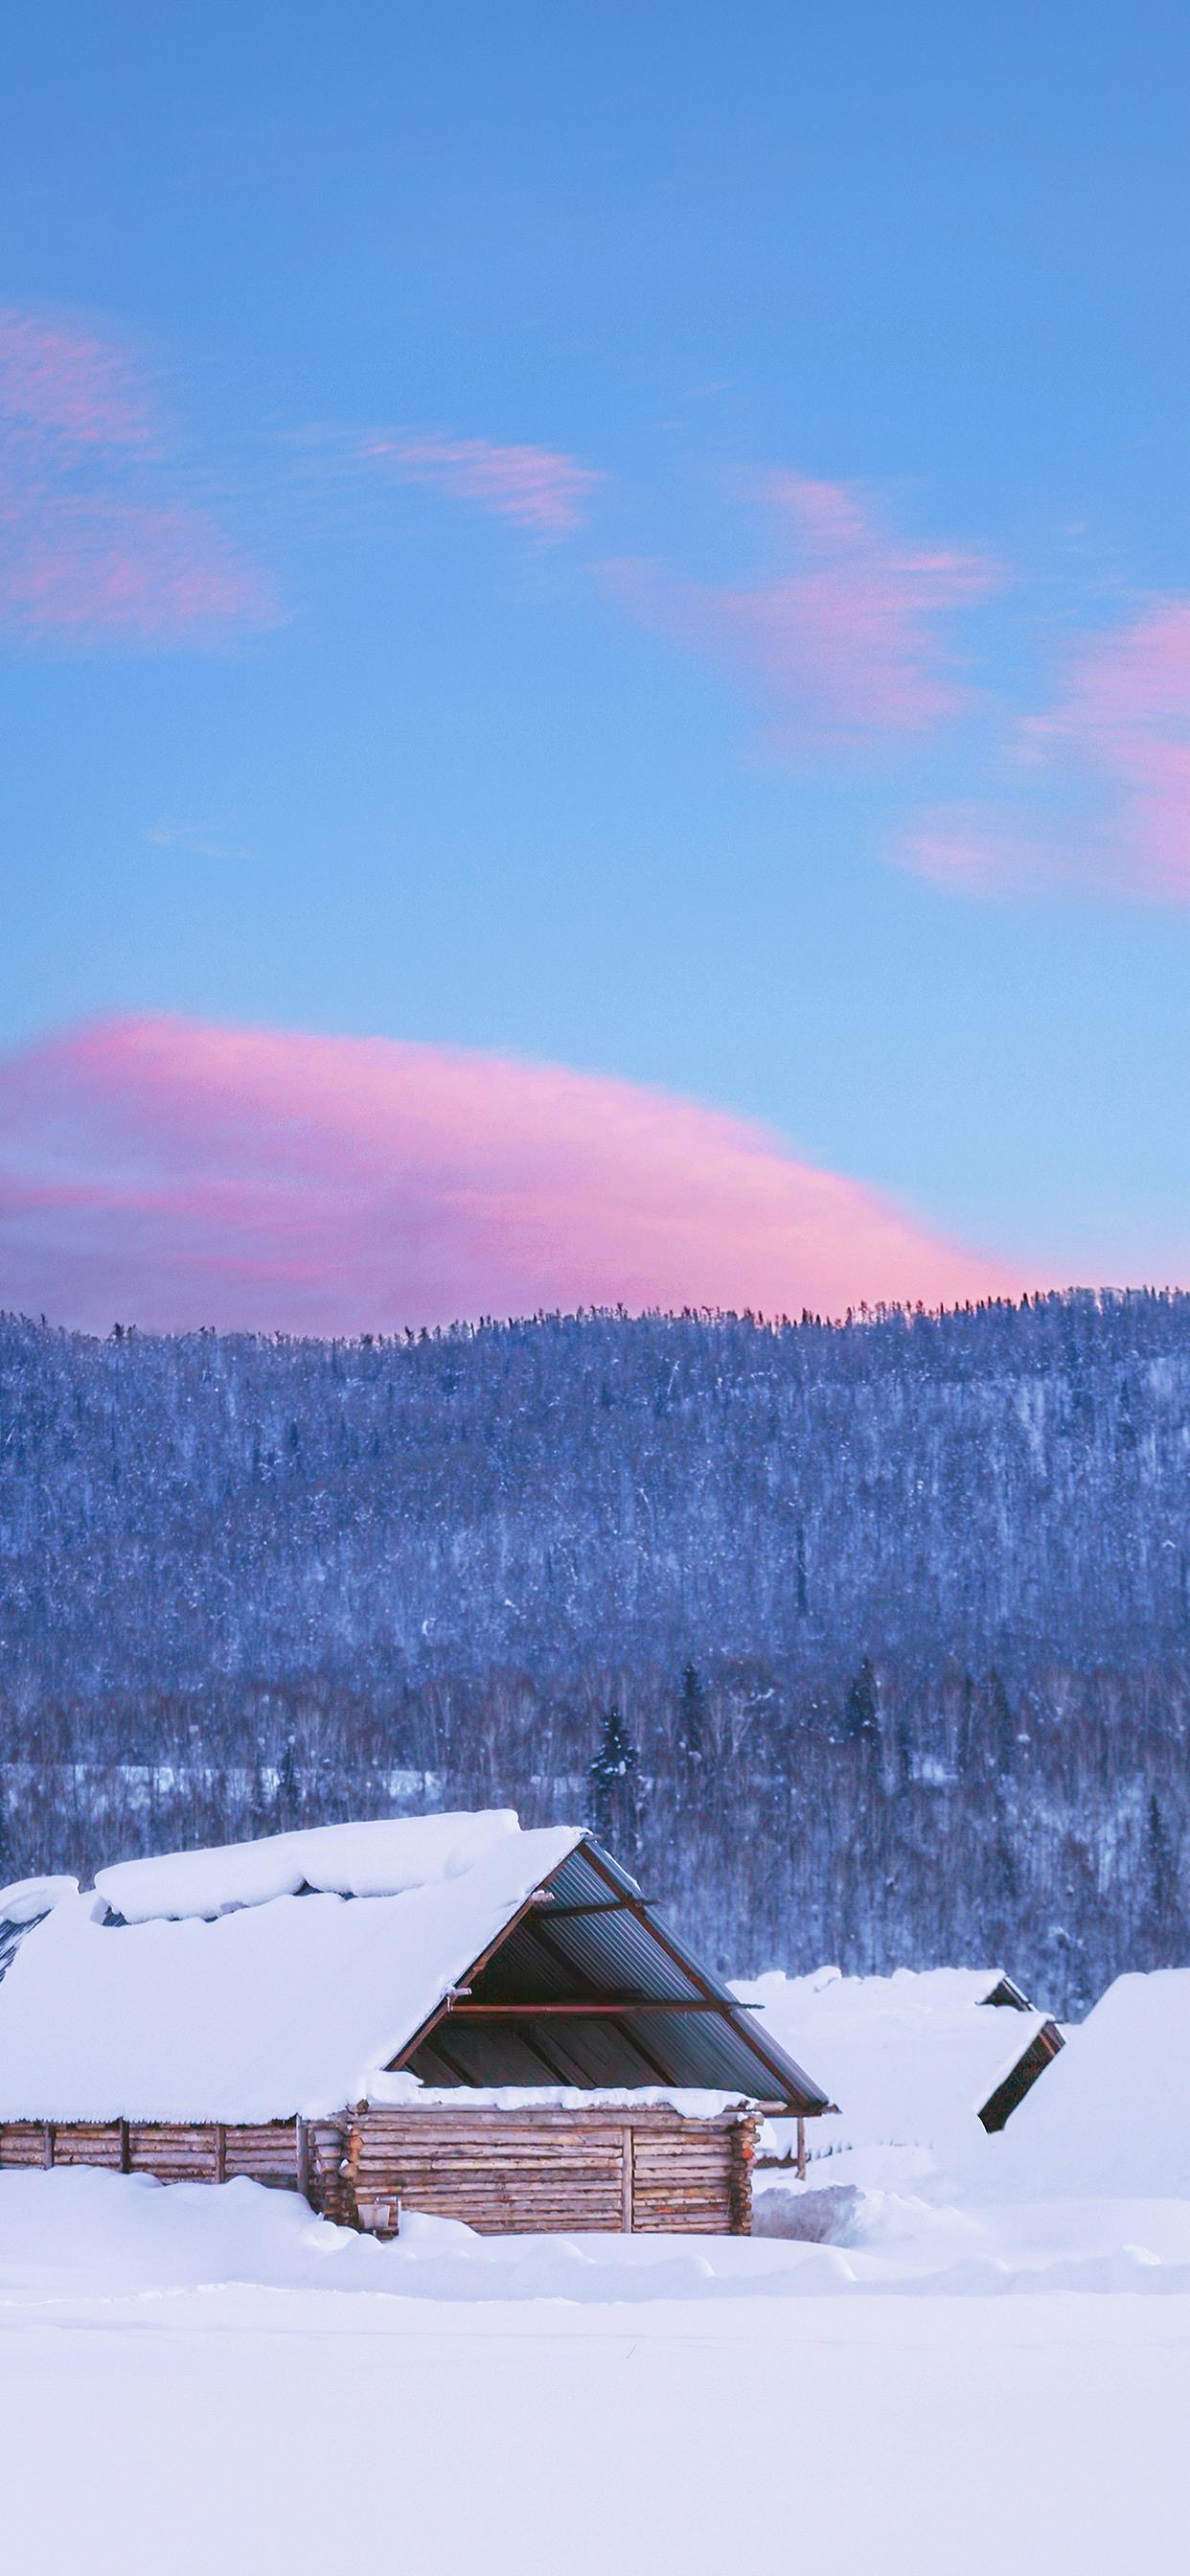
910, 1560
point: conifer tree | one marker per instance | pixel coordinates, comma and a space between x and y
692, 1710
612, 1774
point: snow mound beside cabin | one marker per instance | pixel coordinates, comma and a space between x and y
1112, 2114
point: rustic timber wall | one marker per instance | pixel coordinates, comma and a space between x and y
503, 2172
292, 2155
554, 2171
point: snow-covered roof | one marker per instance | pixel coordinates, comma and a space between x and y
386, 1858
28, 1898
224, 1994
1112, 2114
911, 2058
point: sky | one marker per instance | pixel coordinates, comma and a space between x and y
595, 658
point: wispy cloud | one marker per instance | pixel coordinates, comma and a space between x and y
96, 543
174, 1174
63, 380
1095, 794
543, 491
846, 642
196, 841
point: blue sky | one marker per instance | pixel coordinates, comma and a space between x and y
435, 769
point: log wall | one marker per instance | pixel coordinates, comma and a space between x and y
503, 2172
554, 2171
273, 2152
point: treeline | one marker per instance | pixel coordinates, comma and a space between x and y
893, 1614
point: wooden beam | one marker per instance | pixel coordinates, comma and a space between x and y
599, 1905
301, 2148
626, 2181
578, 2007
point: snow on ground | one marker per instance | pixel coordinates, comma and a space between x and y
983, 2363
195, 2377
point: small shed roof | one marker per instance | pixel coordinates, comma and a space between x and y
913, 2059
282, 1976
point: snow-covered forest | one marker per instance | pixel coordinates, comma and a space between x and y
866, 1641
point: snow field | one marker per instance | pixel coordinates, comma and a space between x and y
161, 2407
983, 2363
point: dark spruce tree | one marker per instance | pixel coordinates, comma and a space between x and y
863, 1699
692, 1715
613, 1778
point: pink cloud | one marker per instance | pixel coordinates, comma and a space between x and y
88, 568
1108, 813
173, 1174
94, 545
845, 643
539, 489
62, 379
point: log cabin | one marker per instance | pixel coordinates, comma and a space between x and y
446, 2013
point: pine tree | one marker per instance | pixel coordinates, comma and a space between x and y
692, 1710
287, 1781
612, 1774
1162, 1924
862, 1700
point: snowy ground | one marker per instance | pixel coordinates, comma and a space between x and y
196, 2378
985, 2364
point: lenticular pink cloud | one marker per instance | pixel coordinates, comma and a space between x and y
845, 642
1109, 811
539, 489
94, 546
173, 1174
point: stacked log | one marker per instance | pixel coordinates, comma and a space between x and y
83, 2144
25, 2143
552, 2171
189, 2151
503, 2172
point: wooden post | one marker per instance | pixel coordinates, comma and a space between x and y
220, 2152
123, 2146
626, 2213
801, 2148
302, 2157
47, 2143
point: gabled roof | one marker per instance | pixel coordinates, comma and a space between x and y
912, 2058
279, 1976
